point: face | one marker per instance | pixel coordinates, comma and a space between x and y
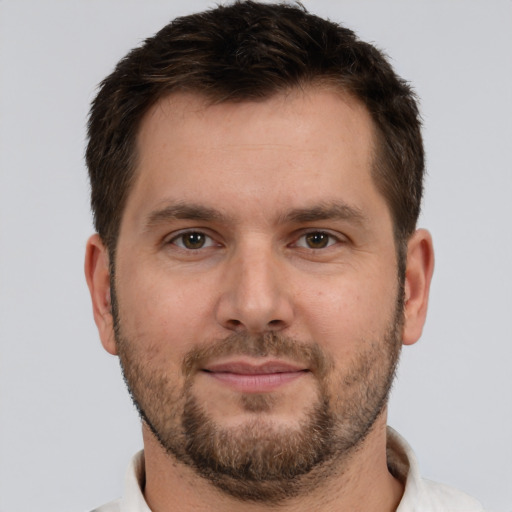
256, 300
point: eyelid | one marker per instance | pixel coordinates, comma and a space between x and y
176, 235
336, 238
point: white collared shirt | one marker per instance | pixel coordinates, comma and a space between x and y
420, 495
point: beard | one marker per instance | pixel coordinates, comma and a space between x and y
261, 461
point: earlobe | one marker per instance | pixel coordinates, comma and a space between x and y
418, 275
98, 280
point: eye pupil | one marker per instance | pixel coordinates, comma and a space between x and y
317, 240
193, 240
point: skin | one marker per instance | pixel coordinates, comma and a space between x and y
255, 164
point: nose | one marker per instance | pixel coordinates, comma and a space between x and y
254, 294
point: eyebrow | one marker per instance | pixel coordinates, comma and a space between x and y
185, 211
336, 210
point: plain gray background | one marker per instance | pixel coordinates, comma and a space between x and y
67, 426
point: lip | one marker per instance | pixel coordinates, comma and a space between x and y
253, 377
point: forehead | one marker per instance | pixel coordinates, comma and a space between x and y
320, 109
292, 146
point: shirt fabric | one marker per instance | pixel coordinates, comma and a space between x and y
420, 495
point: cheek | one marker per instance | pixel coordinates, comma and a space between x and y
345, 313
164, 316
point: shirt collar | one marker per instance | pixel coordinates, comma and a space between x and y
403, 466
133, 499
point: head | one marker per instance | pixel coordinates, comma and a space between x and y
256, 177
250, 52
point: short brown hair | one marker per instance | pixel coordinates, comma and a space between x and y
249, 51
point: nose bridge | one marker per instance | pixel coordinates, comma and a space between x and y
254, 297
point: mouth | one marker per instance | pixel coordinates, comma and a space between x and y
253, 376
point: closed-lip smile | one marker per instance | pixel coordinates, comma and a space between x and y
255, 376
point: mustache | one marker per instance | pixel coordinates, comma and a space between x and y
263, 345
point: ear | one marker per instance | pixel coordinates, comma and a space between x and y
418, 275
98, 281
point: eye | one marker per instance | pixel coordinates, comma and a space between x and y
316, 240
192, 240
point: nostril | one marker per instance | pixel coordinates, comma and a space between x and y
233, 324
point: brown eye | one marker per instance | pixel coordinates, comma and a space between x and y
317, 240
192, 240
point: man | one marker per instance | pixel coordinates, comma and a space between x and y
256, 177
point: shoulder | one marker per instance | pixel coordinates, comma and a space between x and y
113, 506
421, 494
444, 497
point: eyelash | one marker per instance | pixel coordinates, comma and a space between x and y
330, 238
181, 236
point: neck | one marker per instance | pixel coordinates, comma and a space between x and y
363, 483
